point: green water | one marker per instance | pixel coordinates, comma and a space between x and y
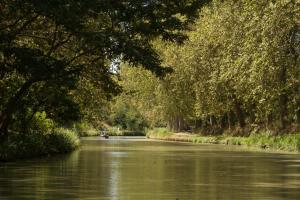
139, 169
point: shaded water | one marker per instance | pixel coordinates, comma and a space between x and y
139, 169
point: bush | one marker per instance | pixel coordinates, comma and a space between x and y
233, 140
288, 142
22, 146
36, 143
62, 141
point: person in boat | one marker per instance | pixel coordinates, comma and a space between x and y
106, 136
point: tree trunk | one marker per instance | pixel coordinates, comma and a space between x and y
239, 113
230, 118
252, 113
181, 124
177, 124
198, 123
173, 124
223, 121
269, 121
212, 120
283, 111
282, 99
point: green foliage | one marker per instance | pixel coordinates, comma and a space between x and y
41, 123
158, 133
227, 140
38, 138
133, 133
239, 70
289, 142
234, 140
56, 57
161, 101
22, 146
84, 129
265, 141
62, 141
141, 93
247, 66
36, 143
115, 131
127, 117
205, 140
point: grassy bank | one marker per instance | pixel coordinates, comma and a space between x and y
288, 142
38, 144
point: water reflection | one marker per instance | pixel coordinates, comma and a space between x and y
147, 170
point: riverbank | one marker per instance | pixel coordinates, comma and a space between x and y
288, 142
37, 144
116, 132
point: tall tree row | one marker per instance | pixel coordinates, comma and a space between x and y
240, 70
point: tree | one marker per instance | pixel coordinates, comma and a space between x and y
239, 70
42, 42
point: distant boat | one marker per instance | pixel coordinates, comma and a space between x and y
105, 135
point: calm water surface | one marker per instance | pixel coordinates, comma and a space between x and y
139, 169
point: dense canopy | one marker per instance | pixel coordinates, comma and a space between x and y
239, 71
53, 54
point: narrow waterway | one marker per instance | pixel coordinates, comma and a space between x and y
140, 169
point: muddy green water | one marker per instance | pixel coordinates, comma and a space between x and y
139, 169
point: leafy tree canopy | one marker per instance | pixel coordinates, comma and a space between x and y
55, 43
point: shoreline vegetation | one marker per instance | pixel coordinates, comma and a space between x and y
262, 141
115, 131
87, 130
46, 140
38, 144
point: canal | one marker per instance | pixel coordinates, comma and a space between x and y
141, 169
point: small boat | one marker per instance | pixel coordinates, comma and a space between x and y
105, 135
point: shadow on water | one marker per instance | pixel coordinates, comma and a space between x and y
140, 169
